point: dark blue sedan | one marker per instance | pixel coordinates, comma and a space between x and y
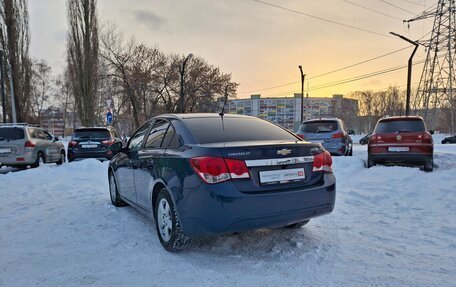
201, 174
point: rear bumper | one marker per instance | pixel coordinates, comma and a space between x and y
77, 155
410, 158
222, 209
339, 149
18, 159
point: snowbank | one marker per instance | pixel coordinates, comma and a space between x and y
392, 226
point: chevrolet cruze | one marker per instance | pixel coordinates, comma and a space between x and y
199, 174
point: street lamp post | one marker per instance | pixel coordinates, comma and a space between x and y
302, 93
182, 93
409, 73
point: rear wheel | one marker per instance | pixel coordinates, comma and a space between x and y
168, 226
370, 162
61, 159
114, 193
444, 142
40, 160
429, 165
298, 224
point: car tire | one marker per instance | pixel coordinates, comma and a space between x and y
40, 160
370, 162
298, 224
167, 223
114, 192
61, 159
429, 165
350, 153
444, 142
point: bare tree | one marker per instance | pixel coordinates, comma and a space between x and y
15, 42
64, 98
82, 46
41, 87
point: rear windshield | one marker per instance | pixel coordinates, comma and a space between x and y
400, 126
317, 127
213, 130
91, 133
11, 133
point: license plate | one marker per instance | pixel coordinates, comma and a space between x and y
282, 175
5, 150
398, 149
89, 146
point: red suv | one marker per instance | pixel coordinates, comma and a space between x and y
401, 140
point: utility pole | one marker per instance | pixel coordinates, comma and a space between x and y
409, 72
302, 93
182, 93
3, 87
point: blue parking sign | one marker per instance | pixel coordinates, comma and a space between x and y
109, 118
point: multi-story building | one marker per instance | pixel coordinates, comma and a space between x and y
52, 120
287, 111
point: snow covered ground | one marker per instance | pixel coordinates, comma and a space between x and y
392, 226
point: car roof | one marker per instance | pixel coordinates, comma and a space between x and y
201, 115
93, 128
400, 118
321, 119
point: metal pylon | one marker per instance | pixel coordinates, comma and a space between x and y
437, 87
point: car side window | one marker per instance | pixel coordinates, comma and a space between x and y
32, 133
47, 136
137, 139
39, 134
156, 134
172, 139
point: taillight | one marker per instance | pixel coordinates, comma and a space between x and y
427, 137
322, 162
72, 144
372, 139
109, 142
301, 136
237, 168
29, 144
337, 135
216, 169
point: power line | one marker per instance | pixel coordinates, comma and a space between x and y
397, 7
362, 77
415, 3
322, 19
330, 72
372, 10
352, 79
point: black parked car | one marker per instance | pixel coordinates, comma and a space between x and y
449, 140
92, 143
201, 174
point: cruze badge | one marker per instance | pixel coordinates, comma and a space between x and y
398, 137
284, 151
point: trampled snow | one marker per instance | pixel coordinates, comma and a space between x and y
392, 226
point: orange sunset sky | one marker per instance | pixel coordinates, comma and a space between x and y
260, 44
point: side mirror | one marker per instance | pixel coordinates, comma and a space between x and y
116, 147
351, 132
431, 132
56, 139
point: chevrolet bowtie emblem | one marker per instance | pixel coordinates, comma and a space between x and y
284, 151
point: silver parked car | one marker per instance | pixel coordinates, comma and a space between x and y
23, 145
330, 132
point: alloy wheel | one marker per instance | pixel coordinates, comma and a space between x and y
164, 220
